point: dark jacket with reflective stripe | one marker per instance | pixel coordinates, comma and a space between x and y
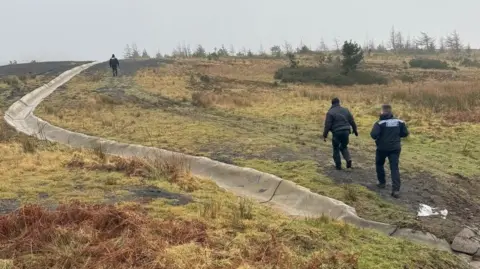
338, 119
387, 133
114, 63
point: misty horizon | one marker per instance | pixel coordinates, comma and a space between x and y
91, 30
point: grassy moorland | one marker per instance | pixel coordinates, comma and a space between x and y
232, 110
83, 209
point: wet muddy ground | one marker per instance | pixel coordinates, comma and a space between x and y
140, 194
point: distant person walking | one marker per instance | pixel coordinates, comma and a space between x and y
387, 133
114, 64
338, 121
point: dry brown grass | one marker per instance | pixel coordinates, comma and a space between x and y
210, 99
174, 169
92, 236
96, 236
450, 99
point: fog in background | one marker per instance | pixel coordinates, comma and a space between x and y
46, 30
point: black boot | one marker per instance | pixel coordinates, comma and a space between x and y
396, 194
349, 164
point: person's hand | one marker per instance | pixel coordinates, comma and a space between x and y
356, 133
324, 139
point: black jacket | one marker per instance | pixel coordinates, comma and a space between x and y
114, 63
387, 133
338, 119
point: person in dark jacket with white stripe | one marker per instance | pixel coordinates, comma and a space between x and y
387, 133
114, 64
338, 121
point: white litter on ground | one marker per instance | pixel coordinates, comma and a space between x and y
426, 210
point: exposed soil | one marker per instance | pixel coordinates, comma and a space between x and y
152, 192
136, 194
8, 205
425, 188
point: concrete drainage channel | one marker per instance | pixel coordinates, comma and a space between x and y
266, 188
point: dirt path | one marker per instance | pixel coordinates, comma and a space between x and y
424, 188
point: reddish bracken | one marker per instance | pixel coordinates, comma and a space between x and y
91, 236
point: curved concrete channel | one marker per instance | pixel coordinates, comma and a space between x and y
269, 189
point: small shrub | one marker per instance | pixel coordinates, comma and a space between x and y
213, 56
321, 58
176, 169
205, 79
293, 62
328, 75
329, 58
352, 55
428, 63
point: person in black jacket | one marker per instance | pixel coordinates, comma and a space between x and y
387, 133
338, 121
114, 64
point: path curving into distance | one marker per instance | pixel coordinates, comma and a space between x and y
268, 189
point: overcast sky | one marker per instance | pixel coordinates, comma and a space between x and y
94, 29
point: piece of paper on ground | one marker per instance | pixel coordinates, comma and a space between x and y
426, 210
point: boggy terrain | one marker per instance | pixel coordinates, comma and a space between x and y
66, 208
232, 110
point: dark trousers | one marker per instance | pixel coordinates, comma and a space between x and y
115, 71
393, 158
340, 145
